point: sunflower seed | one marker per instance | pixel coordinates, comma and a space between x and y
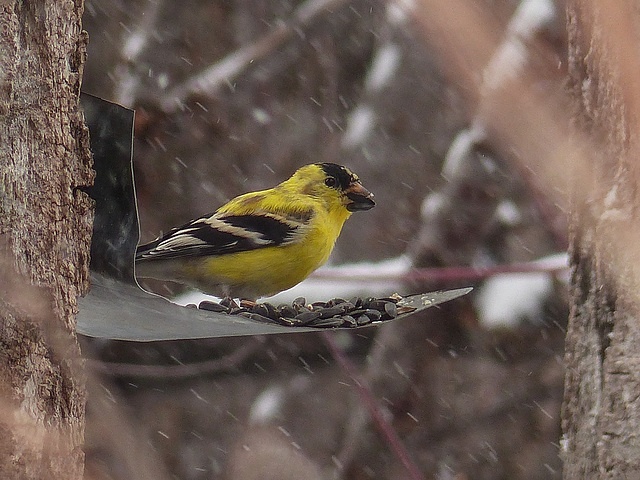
289, 322
348, 306
271, 308
229, 302
393, 298
213, 307
258, 317
261, 309
307, 317
248, 304
375, 304
349, 321
286, 311
391, 309
331, 311
299, 302
335, 301
374, 315
326, 322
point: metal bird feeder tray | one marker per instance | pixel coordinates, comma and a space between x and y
116, 307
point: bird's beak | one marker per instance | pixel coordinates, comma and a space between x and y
360, 198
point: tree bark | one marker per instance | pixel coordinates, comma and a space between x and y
601, 412
45, 232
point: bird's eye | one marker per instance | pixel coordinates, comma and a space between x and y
330, 182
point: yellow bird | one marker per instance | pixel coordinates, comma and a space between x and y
260, 243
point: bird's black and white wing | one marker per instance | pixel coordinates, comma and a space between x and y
225, 233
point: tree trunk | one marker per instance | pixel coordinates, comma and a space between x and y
45, 231
601, 412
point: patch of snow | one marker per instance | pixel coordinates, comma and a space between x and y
398, 12
267, 405
615, 215
508, 213
504, 300
459, 149
134, 44
384, 65
506, 63
359, 125
530, 16
431, 205
261, 116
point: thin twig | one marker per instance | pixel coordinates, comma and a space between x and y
385, 429
128, 83
175, 372
223, 72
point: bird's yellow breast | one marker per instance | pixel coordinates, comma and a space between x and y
272, 269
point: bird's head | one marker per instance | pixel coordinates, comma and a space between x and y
354, 196
333, 182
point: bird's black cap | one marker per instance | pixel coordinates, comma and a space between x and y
342, 174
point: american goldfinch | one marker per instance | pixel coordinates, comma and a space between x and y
260, 243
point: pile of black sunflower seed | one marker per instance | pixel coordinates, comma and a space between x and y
337, 312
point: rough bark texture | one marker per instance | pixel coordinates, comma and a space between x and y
601, 414
45, 229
